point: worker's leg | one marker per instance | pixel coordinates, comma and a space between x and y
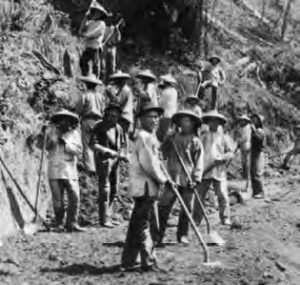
221, 191
257, 170
138, 239
112, 60
165, 205
214, 98
84, 62
96, 61
57, 192
183, 223
202, 190
73, 192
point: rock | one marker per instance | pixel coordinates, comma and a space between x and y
280, 266
53, 257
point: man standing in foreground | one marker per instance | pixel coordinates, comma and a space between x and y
146, 176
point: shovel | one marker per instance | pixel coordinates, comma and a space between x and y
207, 261
212, 238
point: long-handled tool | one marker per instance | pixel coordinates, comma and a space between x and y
207, 261
23, 194
39, 178
213, 236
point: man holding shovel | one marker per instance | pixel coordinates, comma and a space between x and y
218, 151
190, 149
63, 144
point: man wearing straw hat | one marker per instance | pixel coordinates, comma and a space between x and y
63, 144
192, 103
93, 33
191, 151
120, 92
218, 151
214, 76
169, 102
90, 107
146, 176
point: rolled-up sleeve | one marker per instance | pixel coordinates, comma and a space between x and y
149, 160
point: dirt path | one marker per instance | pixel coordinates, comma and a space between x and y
265, 250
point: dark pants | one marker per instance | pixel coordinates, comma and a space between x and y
88, 55
139, 239
166, 204
257, 171
108, 62
214, 95
108, 178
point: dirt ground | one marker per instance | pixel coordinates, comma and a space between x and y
265, 249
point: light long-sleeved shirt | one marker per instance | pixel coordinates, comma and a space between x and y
94, 32
216, 146
191, 151
215, 75
169, 101
243, 137
145, 167
63, 150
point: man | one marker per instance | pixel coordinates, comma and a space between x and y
192, 103
214, 76
120, 93
294, 151
146, 176
90, 107
169, 102
243, 137
93, 33
218, 151
258, 142
107, 142
63, 144
112, 38
191, 151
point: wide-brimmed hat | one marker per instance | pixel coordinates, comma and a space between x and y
190, 98
146, 74
167, 78
243, 118
186, 113
214, 114
214, 57
114, 106
96, 6
119, 76
148, 107
90, 79
63, 114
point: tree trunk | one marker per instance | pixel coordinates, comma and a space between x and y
286, 17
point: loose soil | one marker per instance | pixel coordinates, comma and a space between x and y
263, 248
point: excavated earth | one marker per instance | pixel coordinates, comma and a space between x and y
262, 247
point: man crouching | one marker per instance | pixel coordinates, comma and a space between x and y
146, 177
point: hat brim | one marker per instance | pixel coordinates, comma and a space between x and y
194, 99
176, 118
119, 77
90, 80
159, 110
214, 58
57, 118
109, 108
243, 120
148, 77
208, 118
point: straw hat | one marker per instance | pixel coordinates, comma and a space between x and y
244, 118
146, 74
148, 107
214, 114
96, 6
90, 79
214, 57
167, 78
119, 76
186, 113
63, 114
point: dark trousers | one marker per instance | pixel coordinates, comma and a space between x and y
214, 95
139, 239
257, 171
166, 204
88, 55
108, 178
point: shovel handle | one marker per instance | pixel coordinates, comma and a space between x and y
23, 194
198, 234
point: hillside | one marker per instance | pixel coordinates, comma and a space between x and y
40, 46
